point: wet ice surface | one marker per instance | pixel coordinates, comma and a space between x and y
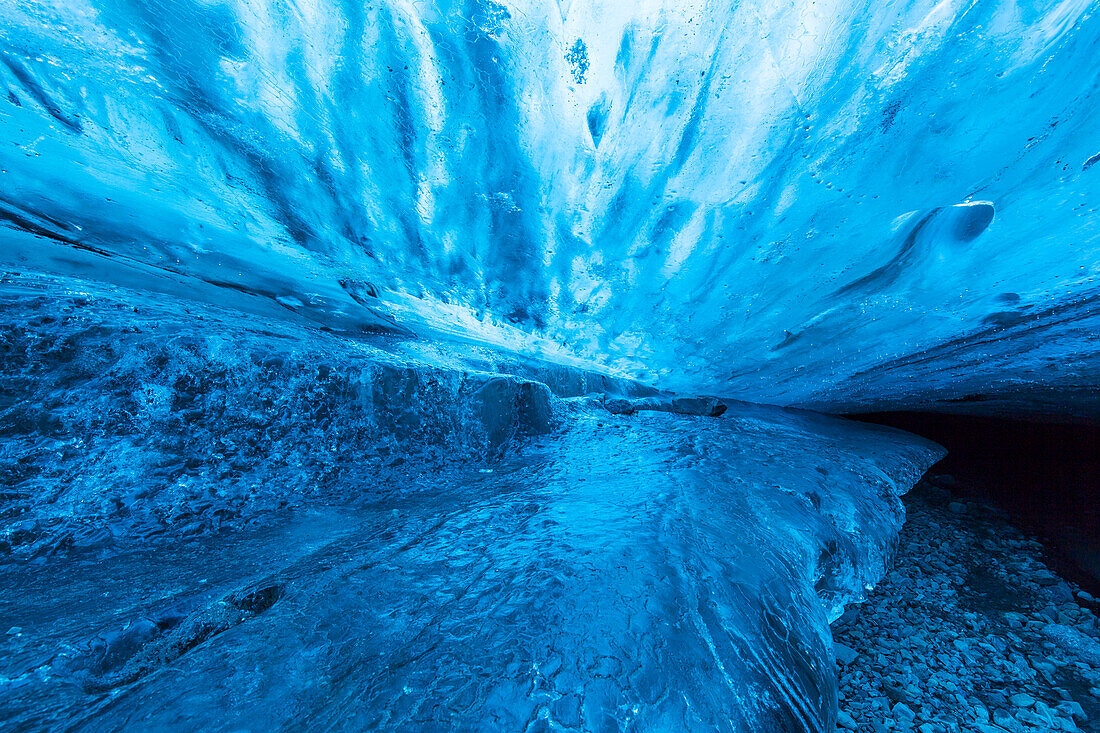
585, 569
580, 582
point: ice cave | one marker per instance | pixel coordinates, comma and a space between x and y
531, 365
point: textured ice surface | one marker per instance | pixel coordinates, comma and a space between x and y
850, 204
219, 522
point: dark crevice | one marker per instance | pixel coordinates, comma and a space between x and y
1044, 475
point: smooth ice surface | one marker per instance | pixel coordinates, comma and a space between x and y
846, 204
214, 522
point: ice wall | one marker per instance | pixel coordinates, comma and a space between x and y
125, 416
837, 203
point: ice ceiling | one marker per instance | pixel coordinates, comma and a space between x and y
839, 203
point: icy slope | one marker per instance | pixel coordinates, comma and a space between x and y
827, 202
213, 522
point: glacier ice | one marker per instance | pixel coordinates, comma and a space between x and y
820, 203
215, 522
355, 358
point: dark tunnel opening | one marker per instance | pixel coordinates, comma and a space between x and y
1045, 476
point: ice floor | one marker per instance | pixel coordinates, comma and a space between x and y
579, 568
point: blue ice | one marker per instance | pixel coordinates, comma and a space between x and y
355, 357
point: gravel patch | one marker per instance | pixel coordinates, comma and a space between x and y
969, 631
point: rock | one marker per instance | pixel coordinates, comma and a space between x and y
903, 713
1042, 722
979, 712
1073, 641
895, 693
937, 495
845, 655
619, 406
567, 711
846, 721
946, 480
1062, 593
1022, 700
1073, 709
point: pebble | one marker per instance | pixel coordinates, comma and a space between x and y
846, 721
1022, 700
844, 654
903, 712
